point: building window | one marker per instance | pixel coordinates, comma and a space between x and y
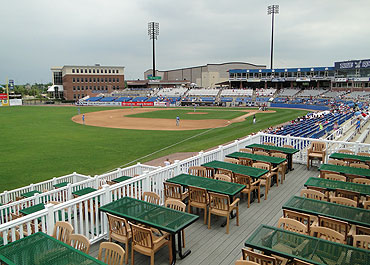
98, 79
82, 71
94, 79
117, 87
73, 80
117, 79
94, 71
78, 79
85, 71
90, 79
105, 70
114, 80
74, 88
78, 95
97, 71
94, 87
109, 71
106, 80
78, 87
74, 96
82, 87
85, 79
89, 71
83, 95
114, 88
77, 71
73, 71
106, 87
90, 87
98, 87
110, 80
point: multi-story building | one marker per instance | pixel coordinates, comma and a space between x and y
73, 82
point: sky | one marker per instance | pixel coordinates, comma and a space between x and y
38, 34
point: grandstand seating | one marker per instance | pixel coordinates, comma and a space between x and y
172, 92
311, 92
287, 92
107, 99
139, 99
358, 94
123, 99
226, 99
92, 99
265, 92
333, 94
236, 92
203, 92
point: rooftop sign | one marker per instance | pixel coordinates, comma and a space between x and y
356, 64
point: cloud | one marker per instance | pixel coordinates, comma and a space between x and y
39, 34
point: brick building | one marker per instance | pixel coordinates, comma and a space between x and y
73, 82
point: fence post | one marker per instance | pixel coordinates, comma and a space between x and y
237, 145
288, 140
54, 181
96, 181
50, 222
107, 198
357, 146
177, 167
201, 158
221, 147
75, 177
6, 197
139, 168
69, 192
146, 181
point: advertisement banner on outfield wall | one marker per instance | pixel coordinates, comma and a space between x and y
98, 103
137, 104
162, 104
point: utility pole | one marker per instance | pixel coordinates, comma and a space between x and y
153, 32
272, 10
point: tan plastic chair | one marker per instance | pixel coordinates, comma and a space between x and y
80, 242
333, 176
300, 262
343, 201
361, 241
197, 171
288, 146
292, 225
327, 234
151, 197
366, 205
363, 154
361, 230
337, 225
246, 150
179, 206
219, 204
250, 186
174, 191
146, 243
265, 179
303, 218
245, 262
317, 151
269, 143
10, 237
261, 153
114, 253
209, 173
355, 196
359, 165
364, 181
245, 161
313, 194
231, 160
337, 162
198, 198
345, 151
222, 177
62, 231
258, 258
119, 230
282, 167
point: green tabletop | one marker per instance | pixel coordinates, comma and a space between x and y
239, 169
153, 215
345, 156
33, 209
346, 170
30, 193
352, 215
61, 184
270, 159
121, 179
274, 148
311, 249
83, 191
41, 249
333, 185
223, 187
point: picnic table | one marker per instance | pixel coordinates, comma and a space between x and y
332, 185
121, 179
33, 209
345, 170
275, 161
239, 169
342, 156
352, 215
83, 191
30, 193
291, 245
288, 151
42, 249
61, 184
155, 216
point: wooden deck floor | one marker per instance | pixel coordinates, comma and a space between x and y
214, 246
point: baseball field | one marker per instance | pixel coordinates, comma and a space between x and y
41, 142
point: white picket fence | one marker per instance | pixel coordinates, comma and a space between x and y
83, 212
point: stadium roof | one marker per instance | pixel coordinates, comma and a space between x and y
280, 70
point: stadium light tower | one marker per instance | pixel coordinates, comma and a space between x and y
153, 32
272, 10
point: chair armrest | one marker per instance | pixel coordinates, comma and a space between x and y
235, 202
165, 235
256, 182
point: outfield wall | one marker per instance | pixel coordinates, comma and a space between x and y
298, 106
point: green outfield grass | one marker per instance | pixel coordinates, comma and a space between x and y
38, 143
183, 114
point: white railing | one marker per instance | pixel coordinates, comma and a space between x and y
13, 195
83, 212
